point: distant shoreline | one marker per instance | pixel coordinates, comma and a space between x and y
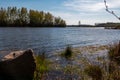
81, 26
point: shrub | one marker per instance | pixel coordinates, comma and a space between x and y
68, 52
94, 72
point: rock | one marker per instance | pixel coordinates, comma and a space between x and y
18, 65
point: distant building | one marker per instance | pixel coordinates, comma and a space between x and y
79, 23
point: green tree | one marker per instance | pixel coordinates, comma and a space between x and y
41, 18
48, 19
3, 17
22, 17
34, 20
13, 15
59, 22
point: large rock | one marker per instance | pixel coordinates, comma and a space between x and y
18, 65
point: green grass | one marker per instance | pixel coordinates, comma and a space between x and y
42, 66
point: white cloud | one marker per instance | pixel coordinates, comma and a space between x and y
87, 11
90, 5
113, 3
85, 18
84, 5
70, 18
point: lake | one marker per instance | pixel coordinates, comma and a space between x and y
51, 39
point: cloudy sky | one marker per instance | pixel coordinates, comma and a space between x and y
86, 11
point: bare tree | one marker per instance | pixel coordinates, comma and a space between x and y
110, 11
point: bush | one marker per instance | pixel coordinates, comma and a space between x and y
94, 72
68, 52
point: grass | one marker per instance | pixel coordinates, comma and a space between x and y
42, 66
114, 53
115, 75
94, 71
68, 52
114, 71
107, 70
114, 57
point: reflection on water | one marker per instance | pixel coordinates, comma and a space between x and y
50, 39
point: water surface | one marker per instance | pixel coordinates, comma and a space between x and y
51, 39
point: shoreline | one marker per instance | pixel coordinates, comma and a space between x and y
95, 47
81, 58
90, 53
62, 68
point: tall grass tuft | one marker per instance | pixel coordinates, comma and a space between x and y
68, 52
114, 53
41, 67
114, 57
115, 75
94, 71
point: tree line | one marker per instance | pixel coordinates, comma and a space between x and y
13, 17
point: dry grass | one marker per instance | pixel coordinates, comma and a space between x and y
94, 71
114, 57
114, 53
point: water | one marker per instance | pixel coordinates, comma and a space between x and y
51, 39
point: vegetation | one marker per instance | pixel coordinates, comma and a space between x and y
116, 26
110, 11
114, 71
42, 66
32, 18
68, 52
114, 53
114, 57
80, 67
94, 72
109, 25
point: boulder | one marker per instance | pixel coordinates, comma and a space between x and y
18, 65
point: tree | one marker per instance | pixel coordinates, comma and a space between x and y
34, 18
48, 19
59, 22
13, 15
41, 18
110, 11
22, 17
3, 17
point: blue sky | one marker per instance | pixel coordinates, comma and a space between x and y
87, 11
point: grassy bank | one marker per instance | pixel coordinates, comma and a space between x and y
83, 63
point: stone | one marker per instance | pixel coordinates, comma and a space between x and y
18, 65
